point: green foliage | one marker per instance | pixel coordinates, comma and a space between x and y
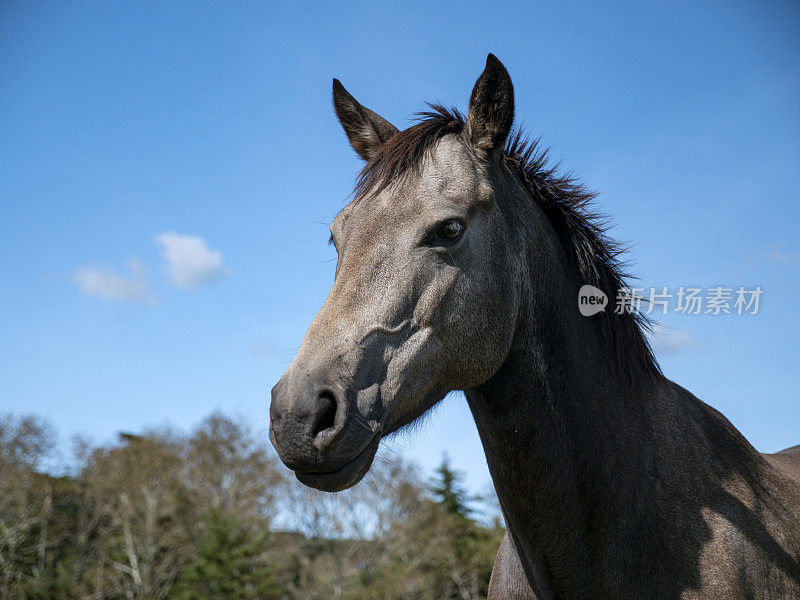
163, 516
231, 563
449, 492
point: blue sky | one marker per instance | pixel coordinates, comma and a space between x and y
168, 172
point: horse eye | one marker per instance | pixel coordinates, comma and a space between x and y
449, 231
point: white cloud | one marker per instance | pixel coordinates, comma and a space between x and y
188, 261
104, 282
780, 255
666, 340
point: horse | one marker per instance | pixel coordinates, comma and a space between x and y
460, 259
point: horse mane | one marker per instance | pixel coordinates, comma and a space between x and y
565, 201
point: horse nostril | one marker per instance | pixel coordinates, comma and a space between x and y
326, 415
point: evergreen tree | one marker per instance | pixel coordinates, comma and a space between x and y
230, 563
462, 558
449, 492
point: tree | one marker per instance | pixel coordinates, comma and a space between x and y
452, 550
148, 515
26, 504
227, 466
165, 516
230, 564
449, 492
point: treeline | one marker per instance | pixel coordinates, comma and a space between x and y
212, 515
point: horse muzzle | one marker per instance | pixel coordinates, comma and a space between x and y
318, 435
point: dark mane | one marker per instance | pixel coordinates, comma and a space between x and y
565, 202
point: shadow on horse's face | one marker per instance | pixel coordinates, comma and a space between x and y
424, 300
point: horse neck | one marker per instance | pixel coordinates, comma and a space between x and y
583, 461
560, 432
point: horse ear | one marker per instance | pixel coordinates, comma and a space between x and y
365, 129
491, 106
